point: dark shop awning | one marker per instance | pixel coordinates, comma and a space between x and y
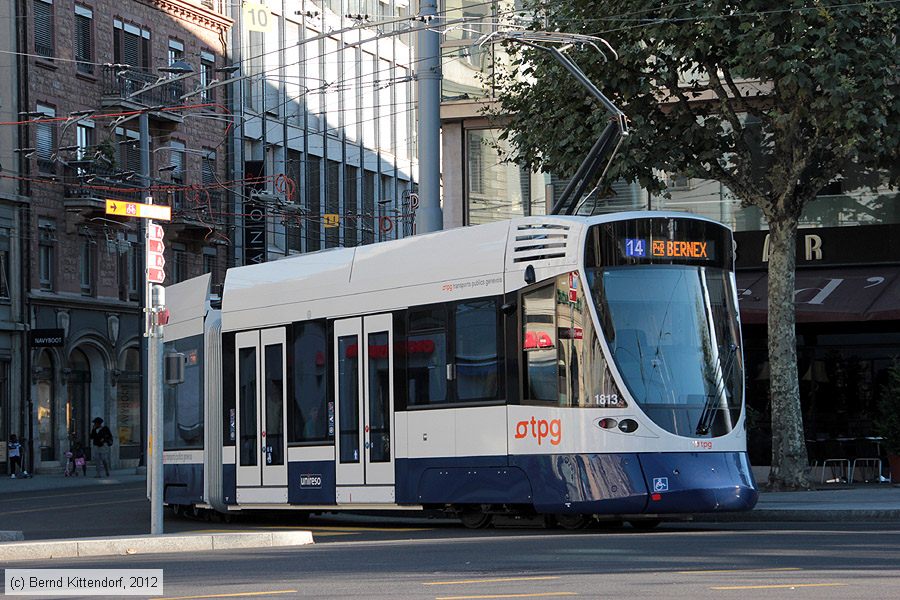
864, 293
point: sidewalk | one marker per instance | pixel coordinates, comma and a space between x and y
861, 502
57, 481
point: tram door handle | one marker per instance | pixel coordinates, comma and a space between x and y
451, 371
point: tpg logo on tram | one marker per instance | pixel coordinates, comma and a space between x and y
540, 429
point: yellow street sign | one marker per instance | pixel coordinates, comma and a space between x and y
331, 220
158, 212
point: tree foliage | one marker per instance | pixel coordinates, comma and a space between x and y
772, 99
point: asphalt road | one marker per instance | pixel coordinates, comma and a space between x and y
379, 557
814, 561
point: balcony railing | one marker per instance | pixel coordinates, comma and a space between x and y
126, 85
90, 184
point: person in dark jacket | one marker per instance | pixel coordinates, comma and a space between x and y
101, 440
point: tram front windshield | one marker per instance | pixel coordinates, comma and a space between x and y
664, 293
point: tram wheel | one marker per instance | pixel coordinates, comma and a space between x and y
475, 518
572, 522
176, 510
645, 524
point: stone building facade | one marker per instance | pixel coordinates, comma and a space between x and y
93, 69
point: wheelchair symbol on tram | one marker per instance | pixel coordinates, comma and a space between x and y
660, 484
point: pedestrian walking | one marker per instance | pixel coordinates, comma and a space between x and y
101, 439
14, 454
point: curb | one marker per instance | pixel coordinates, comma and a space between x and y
162, 544
800, 515
11, 536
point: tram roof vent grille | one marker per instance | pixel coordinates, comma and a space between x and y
538, 241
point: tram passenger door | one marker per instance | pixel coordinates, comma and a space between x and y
364, 386
261, 419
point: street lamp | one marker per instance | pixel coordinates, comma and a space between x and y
179, 67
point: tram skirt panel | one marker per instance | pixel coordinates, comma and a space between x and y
697, 482
585, 483
311, 482
183, 484
467, 480
229, 483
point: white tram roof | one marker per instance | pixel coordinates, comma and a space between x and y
455, 264
188, 302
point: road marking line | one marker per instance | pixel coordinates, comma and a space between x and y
499, 579
778, 586
739, 571
543, 595
235, 595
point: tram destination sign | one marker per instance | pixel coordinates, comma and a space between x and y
684, 249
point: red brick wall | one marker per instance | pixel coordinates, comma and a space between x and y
57, 83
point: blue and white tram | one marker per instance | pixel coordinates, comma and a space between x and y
571, 366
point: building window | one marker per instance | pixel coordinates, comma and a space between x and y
86, 266
211, 265
351, 218
313, 203
4, 270
176, 51
45, 140
332, 202
84, 142
256, 80
135, 269
84, 39
46, 253
43, 28
131, 45
176, 164
490, 177
129, 149
210, 181
179, 266
207, 76
4, 266
368, 211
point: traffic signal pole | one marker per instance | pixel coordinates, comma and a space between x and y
154, 303
155, 401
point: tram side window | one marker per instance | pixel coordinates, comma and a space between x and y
476, 351
183, 402
308, 406
539, 346
426, 367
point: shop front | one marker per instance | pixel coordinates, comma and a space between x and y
847, 298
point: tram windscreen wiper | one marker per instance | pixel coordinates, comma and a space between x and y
707, 416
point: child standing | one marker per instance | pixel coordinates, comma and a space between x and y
80, 459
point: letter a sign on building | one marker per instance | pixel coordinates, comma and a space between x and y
155, 261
